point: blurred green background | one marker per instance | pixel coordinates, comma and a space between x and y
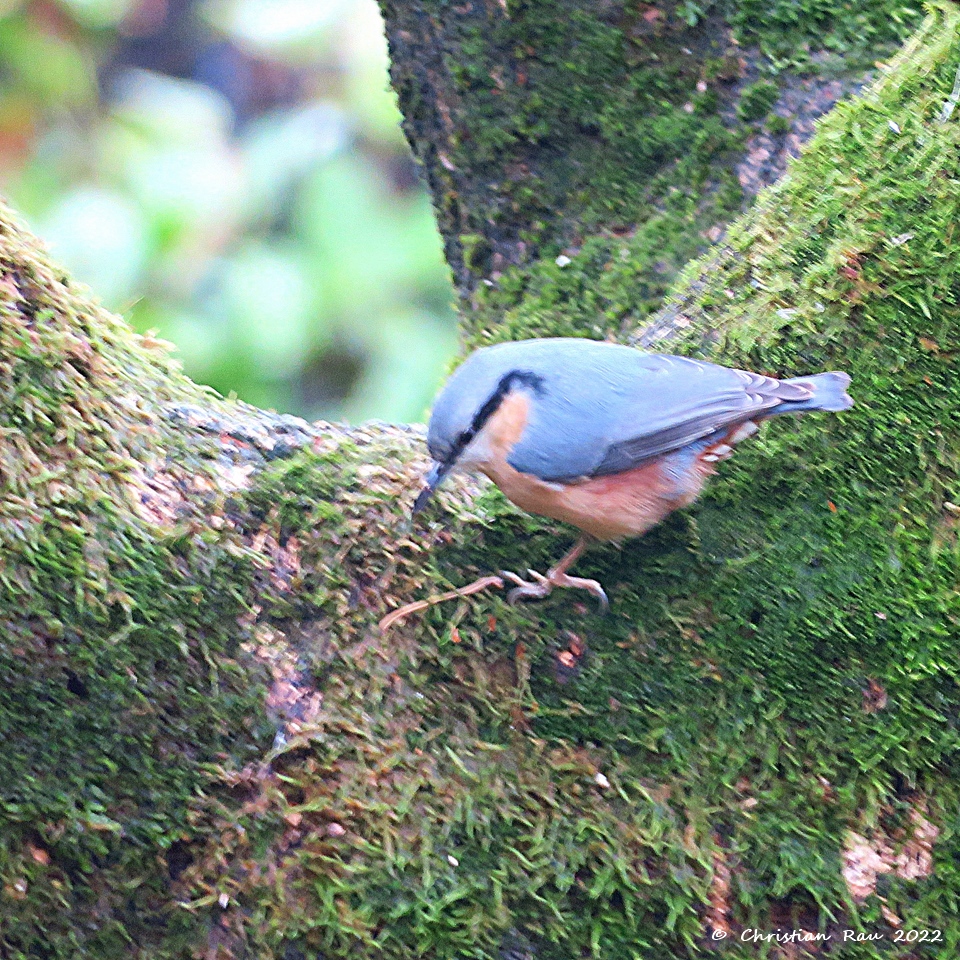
232, 174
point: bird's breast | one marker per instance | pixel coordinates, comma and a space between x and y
618, 505
608, 508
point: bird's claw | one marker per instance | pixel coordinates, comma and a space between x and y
530, 592
599, 593
542, 586
524, 589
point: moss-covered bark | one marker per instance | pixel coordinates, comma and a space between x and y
211, 750
549, 127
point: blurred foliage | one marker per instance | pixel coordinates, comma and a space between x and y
232, 174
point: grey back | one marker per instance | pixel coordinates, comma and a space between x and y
603, 408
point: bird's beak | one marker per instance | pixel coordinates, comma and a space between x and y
433, 480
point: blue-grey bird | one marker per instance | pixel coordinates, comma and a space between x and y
602, 436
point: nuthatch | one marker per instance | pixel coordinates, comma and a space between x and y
601, 436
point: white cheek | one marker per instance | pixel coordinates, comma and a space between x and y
476, 454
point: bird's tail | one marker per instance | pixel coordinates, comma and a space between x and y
829, 393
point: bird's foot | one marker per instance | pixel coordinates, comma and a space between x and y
540, 586
535, 589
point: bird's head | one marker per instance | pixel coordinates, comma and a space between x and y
464, 408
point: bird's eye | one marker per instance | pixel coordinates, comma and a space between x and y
462, 441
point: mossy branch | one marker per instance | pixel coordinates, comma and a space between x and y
211, 750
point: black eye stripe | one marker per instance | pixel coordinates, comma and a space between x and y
492, 404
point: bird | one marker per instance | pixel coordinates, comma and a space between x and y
603, 436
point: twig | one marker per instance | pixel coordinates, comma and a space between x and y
391, 618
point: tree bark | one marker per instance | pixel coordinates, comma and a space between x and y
212, 749
541, 127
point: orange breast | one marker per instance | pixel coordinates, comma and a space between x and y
621, 505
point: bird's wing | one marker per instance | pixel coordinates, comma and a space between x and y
684, 426
622, 408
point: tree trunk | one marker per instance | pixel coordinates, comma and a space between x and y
576, 126
211, 749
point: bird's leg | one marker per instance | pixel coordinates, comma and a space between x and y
540, 586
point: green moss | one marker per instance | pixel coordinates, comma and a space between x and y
637, 188
121, 678
793, 33
776, 125
757, 100
548, 124
617, 105
610, 284
779, 667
